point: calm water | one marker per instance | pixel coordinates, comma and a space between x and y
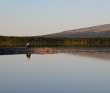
54, 73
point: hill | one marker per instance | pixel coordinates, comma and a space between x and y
96, 31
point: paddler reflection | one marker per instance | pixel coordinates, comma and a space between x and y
28, 55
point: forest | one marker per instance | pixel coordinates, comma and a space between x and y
47, 41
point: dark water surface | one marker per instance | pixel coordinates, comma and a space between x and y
55, 73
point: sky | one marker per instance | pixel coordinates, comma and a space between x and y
40, 17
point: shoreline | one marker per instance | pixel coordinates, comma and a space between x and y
46, 50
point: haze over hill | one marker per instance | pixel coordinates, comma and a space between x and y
96, 31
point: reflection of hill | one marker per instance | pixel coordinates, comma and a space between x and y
4, 51
98, 53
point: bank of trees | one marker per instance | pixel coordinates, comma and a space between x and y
4, 40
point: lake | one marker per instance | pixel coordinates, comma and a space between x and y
55, 73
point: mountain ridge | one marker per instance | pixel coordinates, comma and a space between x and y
95, 31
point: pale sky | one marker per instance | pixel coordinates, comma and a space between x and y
39, 17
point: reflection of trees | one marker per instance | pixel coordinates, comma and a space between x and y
28, 55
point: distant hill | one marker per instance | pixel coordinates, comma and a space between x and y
96, 31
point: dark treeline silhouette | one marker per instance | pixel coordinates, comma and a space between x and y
47, 41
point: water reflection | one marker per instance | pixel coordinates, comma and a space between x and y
28, 55
58, 73
99, 55
28, 52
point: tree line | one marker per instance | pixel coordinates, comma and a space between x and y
41, 41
